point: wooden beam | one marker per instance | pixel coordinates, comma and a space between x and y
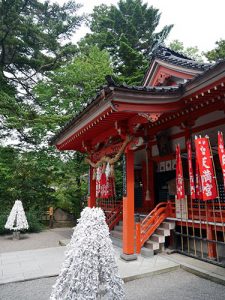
148, 108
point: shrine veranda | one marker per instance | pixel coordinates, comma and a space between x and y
178, 100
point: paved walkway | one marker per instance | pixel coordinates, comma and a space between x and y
45, 239
198, 267
33, 264
175, 285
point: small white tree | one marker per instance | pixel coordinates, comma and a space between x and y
89, 263
17, 219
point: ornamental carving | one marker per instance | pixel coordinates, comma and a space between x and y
151, 117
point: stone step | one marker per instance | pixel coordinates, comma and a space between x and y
146, 252
151, 245
168, 225
157, 238
64, 242
162, 231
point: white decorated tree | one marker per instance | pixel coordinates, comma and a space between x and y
89, 270
17, 219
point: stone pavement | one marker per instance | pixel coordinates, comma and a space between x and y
40, 263
175, 285
44, 239
203, 269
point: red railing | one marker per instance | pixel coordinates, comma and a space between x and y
204, 211
148, 226
114, 216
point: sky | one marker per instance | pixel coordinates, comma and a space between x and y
196, 22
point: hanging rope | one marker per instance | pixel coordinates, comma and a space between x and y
106, 159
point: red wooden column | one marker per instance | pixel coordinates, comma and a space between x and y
128, 210
92, 197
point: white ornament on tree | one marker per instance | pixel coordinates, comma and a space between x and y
90, 262
17, 219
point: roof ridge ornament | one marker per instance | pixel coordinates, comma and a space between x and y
110, 80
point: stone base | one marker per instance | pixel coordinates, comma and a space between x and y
147, 252
16, 235
128, 257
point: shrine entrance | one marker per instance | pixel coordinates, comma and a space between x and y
144, 124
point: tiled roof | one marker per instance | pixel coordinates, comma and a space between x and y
160, 52
149, 89
106, 89
179, 59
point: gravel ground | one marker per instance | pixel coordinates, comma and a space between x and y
176, 285
45, 239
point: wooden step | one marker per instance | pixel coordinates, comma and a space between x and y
157, 238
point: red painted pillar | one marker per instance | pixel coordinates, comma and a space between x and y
128, 210
92, 197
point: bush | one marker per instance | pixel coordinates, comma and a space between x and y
33, 219
3, 219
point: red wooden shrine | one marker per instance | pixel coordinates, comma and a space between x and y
179, 98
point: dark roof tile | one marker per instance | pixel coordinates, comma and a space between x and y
179, 59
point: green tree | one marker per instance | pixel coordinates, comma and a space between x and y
71, 183
67, 90
33, 39
191, 52
217, 53
128, 32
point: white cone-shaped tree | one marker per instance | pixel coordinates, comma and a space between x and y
17, 219
90, 262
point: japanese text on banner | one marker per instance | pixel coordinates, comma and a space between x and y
190, 169
221, 153
179, 175
206, 169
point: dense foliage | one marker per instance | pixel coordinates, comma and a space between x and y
66, 90
45, 80
217, 53
192, 52
128, 32
31, 36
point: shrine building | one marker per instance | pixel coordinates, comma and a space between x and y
179, 99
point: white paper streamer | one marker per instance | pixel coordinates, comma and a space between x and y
89, 271
17, 219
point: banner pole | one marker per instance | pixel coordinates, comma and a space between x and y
199, 200
221, 214
214, 215
187, 230
190, 168
181, 227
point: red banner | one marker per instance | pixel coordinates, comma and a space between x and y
179, 175
190, 169
221, 153
206, 169
198, 187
